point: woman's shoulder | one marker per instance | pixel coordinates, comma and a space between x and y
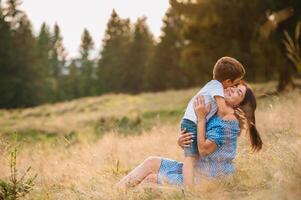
222, 126
226, 121
218, 120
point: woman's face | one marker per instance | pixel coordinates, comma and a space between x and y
235, 95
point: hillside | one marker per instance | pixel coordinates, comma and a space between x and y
81, 148
92, 114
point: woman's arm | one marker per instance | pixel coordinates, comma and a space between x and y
184, 139
205, 146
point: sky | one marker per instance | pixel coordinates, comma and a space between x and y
74, 15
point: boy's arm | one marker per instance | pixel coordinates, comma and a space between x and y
205, 146
221, 105
216, 91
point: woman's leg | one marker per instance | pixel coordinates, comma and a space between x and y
149, 166
151, 178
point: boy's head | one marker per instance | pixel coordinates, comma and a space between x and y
228, 71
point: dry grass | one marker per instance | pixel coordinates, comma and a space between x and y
63, 118
89, 168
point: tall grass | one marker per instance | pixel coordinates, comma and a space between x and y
89, 167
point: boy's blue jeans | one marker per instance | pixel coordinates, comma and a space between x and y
191, 127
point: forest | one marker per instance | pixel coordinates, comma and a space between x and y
263, 35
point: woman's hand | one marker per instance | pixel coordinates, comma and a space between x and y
185, 139
199, 107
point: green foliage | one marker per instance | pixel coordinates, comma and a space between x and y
139, 55
218, 28
165, 70
87, 78
113, 58
17, 186
215, 29
44, 42
35, 69
22, 81
57, 61
58, 53
72, 80
6, 61
293, 47
81, 78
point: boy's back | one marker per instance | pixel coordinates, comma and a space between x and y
209, 91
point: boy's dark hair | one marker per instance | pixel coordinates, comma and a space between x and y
228, 68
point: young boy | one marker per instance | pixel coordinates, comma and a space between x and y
227, 72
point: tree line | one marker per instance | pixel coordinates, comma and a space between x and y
34, 69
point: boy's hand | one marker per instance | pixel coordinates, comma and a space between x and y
185, 139
200, 108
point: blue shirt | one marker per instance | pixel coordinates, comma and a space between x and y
224, 133
219, 163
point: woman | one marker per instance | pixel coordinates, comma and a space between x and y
216, 142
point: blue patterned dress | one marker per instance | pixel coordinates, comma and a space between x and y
219, 163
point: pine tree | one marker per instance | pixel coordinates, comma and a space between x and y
139, 54
113, 56
72, 81
30, 91
25, 77
57, 59
57, 53
87, 70
165, 71
6, 62
44, 49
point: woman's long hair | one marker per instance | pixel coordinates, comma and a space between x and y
245, 112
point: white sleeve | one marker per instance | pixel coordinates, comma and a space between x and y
216, 89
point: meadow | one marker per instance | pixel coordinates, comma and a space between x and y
81, 148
